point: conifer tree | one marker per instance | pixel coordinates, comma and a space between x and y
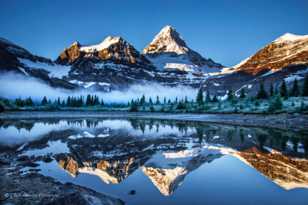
89, 100
137, 101
272, 92
18, 102
150, 101
133, 106
142, 100
230, 95
68, 101
157, 100
81, 101
243, 93
29, 102
305, 86
208, 97
181, 106
199, 98
295, 89
58, 102
283, 90
185, 100
95, 100
215, 99
262, 94
44, 101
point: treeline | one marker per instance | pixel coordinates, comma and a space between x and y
142, 102
274, 97
70, 101
282, 91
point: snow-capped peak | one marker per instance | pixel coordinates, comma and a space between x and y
169, 51
167, 40
107, 42
75, 43
289, 37
288, 49
165, 32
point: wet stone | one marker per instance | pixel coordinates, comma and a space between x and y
132, 192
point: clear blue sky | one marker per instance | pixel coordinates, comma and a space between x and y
227, 31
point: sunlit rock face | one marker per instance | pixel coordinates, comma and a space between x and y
119, 169
167, 170
110, 171
69, 164
113, 49
287, 172
166, 180
285, 58
69, 55
288, 49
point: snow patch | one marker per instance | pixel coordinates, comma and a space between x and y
289, 37
54, 147
181, 63
89, 84
55, 70
292, 78
110, 40
86, 134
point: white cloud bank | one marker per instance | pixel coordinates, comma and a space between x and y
13, 86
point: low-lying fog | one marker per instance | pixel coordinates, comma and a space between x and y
13, 86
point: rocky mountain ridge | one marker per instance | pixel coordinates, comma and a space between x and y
169, 51
116, 64
112, 49
285, 58
288, 49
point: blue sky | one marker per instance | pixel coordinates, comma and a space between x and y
227, 31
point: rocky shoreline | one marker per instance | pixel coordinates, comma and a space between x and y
293, 122
21, 187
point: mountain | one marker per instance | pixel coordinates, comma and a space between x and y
168, 170
289, 49
111, 64
285, 58
287, 172
15, 59
168, 51
112, 49
109, 171
116, 64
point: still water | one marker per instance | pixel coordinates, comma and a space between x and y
167, 162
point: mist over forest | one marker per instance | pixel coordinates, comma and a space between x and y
14, 86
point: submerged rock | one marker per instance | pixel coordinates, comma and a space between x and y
132, 192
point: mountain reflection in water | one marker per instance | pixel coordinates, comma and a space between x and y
166, 152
